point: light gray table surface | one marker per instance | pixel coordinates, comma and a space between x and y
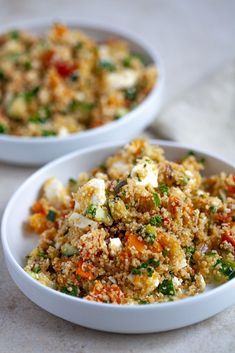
194, 38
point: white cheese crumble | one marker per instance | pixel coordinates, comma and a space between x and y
115, 245
145, 173
122, 79
55, 192
81, 222
98, 196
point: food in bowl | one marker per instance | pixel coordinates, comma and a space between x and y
65, 82
137, 229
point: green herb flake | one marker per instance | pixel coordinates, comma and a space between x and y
213, 209
156, 200
51, 215
3, 129
42, 253
107, 65
2, 75
130, 94
36, 268
91, 210
165, 252
142, 302
78, 46
29, 95
76, 105
48, 133
164, 189
14, 34
156, 221
166, 287
189, 250
71, 290
225, 268
27, 65
211, 253
151, 238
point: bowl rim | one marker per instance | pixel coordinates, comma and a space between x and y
45, 22
108, 306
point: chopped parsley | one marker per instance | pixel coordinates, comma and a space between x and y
2, 75
167, 287
143, 302
91, 210
2, 129
29, 95
164, 189
165, 252
156, 200
189, 250
130, 93
225, 268
75, 105
71, 290
156, 221
51, 215
27, 65
151, 238
149, 266
14, 34
48, 133
107, 65
42, 253
36, 268
213, 209
41, 116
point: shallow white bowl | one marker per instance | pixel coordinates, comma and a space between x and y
36, 151
106, 317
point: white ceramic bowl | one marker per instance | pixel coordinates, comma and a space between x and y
106, 317
36, 151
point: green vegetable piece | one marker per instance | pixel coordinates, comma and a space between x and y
2, 76
48, 133
2, 129
156, 200
71, 290
156, 221
165, 252
120, 113
29, 95
27, 65
78, 46
14, 34
143, 302
151, 238
211, 253
42, 253
164, 189
130, 94
76, 105
213, 209
91, 210
51, 215
189, 250
69, 250
225, 268
166, 287
107, 65
136, 271
36, 268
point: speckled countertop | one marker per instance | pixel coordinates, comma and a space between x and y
194, 38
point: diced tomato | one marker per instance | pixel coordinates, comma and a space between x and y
65, 69
229, 238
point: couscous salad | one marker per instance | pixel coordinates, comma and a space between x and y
64, 82
138, 229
